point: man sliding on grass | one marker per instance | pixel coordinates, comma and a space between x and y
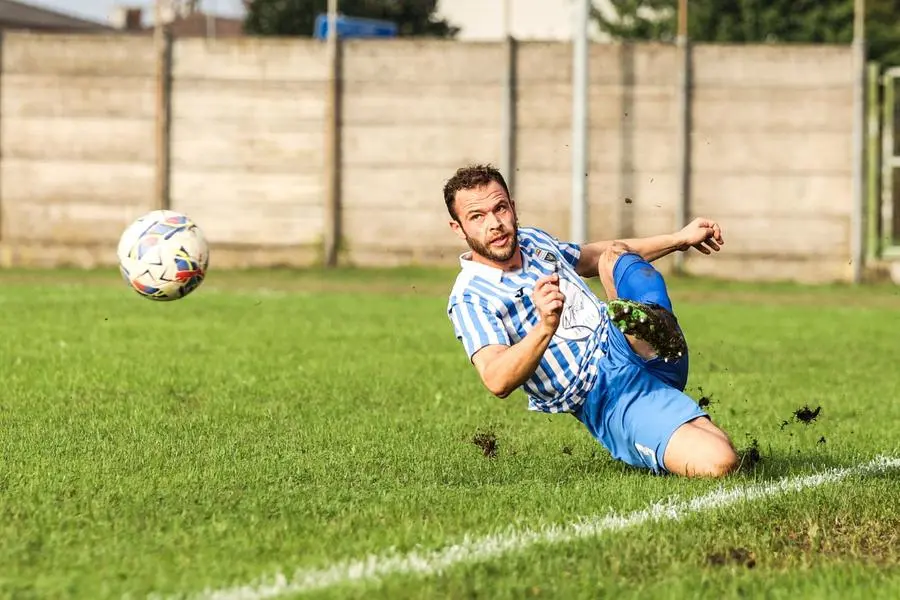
527, 319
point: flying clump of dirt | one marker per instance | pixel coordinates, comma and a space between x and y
807, 415
750, 456
704, 400
804, 414
487, 441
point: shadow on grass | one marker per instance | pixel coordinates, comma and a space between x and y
777, 464
758, 465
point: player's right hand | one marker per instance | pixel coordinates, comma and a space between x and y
549, 300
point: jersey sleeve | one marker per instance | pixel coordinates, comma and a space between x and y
570, 251
476, 324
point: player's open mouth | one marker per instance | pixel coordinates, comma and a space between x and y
500, 241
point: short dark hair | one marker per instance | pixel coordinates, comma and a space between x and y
470, 177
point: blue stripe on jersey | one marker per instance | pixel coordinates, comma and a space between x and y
570, 252
490, 307
477, 324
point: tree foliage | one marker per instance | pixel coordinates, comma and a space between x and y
757, 21
297, 17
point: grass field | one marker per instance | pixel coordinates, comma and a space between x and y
280, 421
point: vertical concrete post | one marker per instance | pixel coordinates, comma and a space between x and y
508, 139
857, 255
162, 37
873, 164
580, 122
4, 257
683, 143
332, 171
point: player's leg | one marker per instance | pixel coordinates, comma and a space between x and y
687, 440
681, 455
631, 277
639, 305
626, 276
648, 424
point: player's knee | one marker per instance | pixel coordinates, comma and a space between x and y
611, 254
719, 460
617, 249
696, 451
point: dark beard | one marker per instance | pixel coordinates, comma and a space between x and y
495, 255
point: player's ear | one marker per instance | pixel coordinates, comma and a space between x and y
457, 229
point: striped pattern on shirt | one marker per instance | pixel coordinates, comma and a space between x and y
488, 306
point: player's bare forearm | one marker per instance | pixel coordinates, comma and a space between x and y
504, 368
703, 234
649, 248
655, 247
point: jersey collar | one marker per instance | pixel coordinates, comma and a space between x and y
490, 273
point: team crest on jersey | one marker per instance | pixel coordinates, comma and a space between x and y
546, 255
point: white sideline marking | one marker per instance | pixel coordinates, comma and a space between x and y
473, 550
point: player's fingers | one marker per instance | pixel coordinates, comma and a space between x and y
549, 293
541, 294
551, 302
540, 290
712, 244
554, 306
717, 233
702, 248
546, 280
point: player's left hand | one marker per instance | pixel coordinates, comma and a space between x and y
703, 234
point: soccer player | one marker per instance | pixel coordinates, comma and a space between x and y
526, 318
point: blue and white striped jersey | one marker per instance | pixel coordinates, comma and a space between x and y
489, 306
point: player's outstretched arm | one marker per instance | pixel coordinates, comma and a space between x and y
703, 234
504, 368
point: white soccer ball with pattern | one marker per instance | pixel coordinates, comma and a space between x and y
163, 255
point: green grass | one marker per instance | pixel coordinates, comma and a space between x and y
168, 447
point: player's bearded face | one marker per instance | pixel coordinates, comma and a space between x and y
487, 221
499, 244
497, 240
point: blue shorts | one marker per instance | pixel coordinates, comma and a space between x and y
637, 404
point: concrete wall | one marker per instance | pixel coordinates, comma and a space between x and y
632, 140
411, 114
772, 156
247, 132
770, 147
77, 143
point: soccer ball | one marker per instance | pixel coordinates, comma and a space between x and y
163, 255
